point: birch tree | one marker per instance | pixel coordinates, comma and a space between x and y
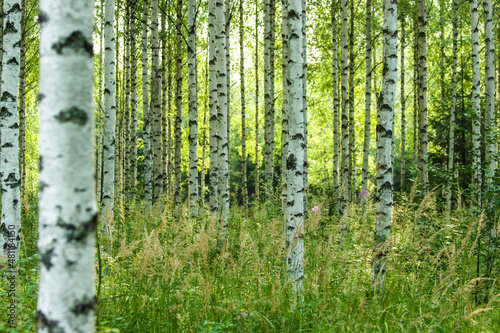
352, 138
155, 103
269, 37
335, 172
489, 109
22, 100
476, 104
9, 137
385, 120
344, 193
193, 110
146, 123
403, 98
451, 137
68, 216
108, 159
368, 94
256, 63
422, 96
294, 241
133, 101
284, 112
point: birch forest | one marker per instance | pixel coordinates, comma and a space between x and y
249, 166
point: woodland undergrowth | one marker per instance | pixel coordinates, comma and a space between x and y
170, 275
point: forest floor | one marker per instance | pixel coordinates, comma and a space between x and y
164, 275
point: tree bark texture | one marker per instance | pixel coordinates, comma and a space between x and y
178, 107
335, 173
244, 187
476, 105
344, 167
368, 95
146, 123
155, 103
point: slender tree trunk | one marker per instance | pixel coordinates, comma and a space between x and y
220, 55
385, 120
344, 193
257, 171
146, 136
169, 116
451, 144
68, 216
304, 101
156, 103
228, 81
335, 173
422, 95
352, 139
285, 110
368, 95
244, 176
9, 123
403, 98
133, 102
269, 37
204, 138
476, 105
214, 135
164, 39
490, 95
294, 245
415, 94
118, 137
108, 141
100, 109
178, 107
193, 110
1, 41
22, 100
126, 128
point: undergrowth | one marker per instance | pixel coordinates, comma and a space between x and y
170, 275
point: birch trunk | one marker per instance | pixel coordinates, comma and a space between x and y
422, 96
10, 234
178, 108
155, 103
490, 95
220, 55
352, 139
193, 110
368, 95
257, 171
344, 192
476, 105
1, 41
451, 144
214, 135
335, 85
108, 158
269, 37
244, 187
403, 100
228, 81
385, 121
204, 139
68, 215
133, 102
285, 110
304, 101
148, 185
169, 116
294, 244
164, 35
125, 130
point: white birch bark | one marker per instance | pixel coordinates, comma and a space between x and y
10, 228
284, 112
220, 55
352, 138
295, 230
451, 138
256, 66
403, 100
304, 101
22, 100
155, 110
125, 128
269, 37
133, 102
68, 213
368, 95
344, 168
385, 123
146, 130
214, 135
108, 158
335, 85
228, 80
164, 36
193, 110
422, 96
489, 109
178, 108
476, 104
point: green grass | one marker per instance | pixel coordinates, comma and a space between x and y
164, 276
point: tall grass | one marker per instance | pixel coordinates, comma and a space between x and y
169, 275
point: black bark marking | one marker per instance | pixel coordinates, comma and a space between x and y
6, 95
7, 145
12, 181
42, 17
51, 325
80, 232
73, 115
41, 97
13, 60
42, 186
5, 113
291, 162
15, 126
84, 306
40, 163
76, 43
9, 28
14, 9
46, 258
